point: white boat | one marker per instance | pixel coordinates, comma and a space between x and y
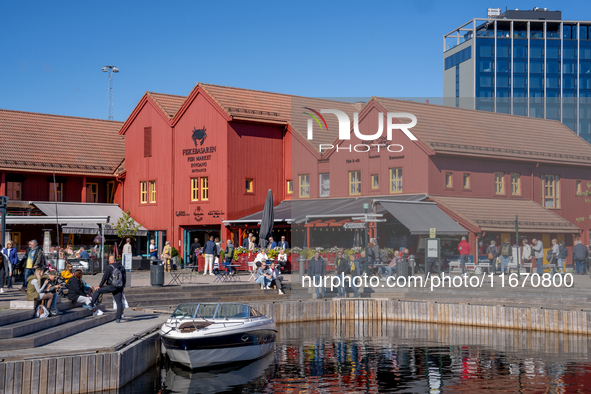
201, 335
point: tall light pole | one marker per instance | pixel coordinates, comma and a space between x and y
110, 70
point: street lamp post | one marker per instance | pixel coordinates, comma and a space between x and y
110, 70
365, 229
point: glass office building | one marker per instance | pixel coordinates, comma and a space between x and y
529, 63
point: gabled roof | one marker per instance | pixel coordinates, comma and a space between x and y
498, 214
37, 142
169, 103
480, 133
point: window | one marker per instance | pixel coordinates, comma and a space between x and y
110, 192
396, 180
249, 185
304, 185
449, 180
194, 189
354, 182
551, 190
15, 237
152, 191
147, 142
578, 188
14, 190
92, 192
325, 184
516, 184
467, 181
57, 193
143, 192
375, 181
289, 187
204, 188
499, 183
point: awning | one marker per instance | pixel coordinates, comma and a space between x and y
419, 217
301, 210
72, 210
498, 215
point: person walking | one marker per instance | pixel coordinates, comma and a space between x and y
538, 250
229, 256
127, 246
343, 269
464, 249
209, 252
113, 282
3, 269
580, 254
32, 260
194, 253
505, 252
492, 252
167, 256
562, 255
526, 252
317, 271
153, 250
12, 261
553, 254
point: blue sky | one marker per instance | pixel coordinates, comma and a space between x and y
53, 51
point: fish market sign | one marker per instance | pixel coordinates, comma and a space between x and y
199, 155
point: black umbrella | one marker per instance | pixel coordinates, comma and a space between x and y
357, 239
266, 221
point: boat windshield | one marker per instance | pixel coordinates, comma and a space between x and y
184, 311
215, 311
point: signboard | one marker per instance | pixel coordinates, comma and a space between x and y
354, 225
432, 232
432, 247
126, 261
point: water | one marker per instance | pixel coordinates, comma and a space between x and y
394, 357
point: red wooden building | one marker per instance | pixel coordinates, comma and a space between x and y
85, 155
203, 163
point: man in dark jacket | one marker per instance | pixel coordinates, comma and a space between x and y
246, 241
32, 260
283, 244
317, 271
76, 292
580, 254
343, 269
562, 255
195, 248
113, 273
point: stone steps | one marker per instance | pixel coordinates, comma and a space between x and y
31, 325
55, 333
14, 316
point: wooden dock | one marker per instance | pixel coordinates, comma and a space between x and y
517, 317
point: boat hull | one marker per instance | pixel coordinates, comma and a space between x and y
207, 351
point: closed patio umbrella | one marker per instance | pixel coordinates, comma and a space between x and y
267, 221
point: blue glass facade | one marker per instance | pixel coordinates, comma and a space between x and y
531, 68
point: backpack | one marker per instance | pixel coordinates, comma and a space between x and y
117, 278
505, 250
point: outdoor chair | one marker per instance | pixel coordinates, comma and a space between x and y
252, 270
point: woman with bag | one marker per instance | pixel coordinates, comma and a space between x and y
492, 253
37, 287
167, 256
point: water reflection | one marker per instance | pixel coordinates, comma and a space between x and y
403, 358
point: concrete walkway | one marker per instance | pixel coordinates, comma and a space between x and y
94, 340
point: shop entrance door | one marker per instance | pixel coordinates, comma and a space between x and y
201, 234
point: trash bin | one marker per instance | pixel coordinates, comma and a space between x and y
402, 268
156, 273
